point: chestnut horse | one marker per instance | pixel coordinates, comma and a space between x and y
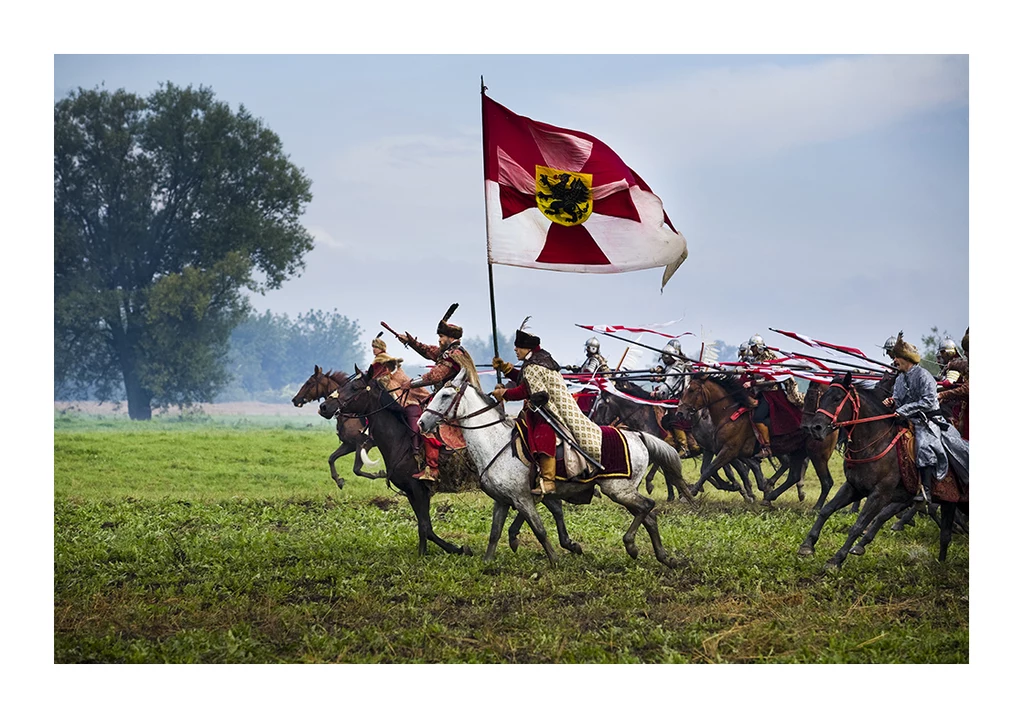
352, 433
723, 396
872, 467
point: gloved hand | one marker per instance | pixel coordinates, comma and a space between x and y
501, 365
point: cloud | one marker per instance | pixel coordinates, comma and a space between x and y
324, 238
749, 112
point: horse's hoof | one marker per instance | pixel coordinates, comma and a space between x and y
467, 551
832, 565
632, 551
857, 550
340, 482
805, 551
513, 544
575, 548
766, 502
897, 527
800, 493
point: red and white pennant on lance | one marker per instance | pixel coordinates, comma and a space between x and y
602, 383
648, 329
817, 343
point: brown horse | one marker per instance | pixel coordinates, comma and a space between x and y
353, 433
872, 468
723, 396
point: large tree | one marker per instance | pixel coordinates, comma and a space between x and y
165, 208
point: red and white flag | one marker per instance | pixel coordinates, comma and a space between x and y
649, 329
820, 344
562, 200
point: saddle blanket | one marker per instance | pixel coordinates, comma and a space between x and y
948, 488
615, 456
784, 418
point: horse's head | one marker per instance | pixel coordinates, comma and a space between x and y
318, 386
839, 402
442, 405
357, 395
694, 397
313, 388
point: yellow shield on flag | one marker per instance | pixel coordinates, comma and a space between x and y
564, 197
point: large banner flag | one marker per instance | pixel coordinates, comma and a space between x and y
562, 200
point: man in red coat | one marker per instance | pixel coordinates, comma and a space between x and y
449, 358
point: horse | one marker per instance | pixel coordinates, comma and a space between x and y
352, 432
612, 410
506, 479
872, 467
723, 396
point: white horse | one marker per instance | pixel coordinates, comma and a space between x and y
506, 479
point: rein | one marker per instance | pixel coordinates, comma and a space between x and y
451, 409
853, 397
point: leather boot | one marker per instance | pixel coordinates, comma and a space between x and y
766, 442
430, 457
927, 474
693, 446
546, 477
682, 445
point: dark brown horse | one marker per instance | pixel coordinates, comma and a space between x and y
723, 396
352, 433
364, 398
872, 468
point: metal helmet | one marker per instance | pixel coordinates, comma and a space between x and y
671, 352
592, 346
947, 346
743, 351
756, 345
889, 345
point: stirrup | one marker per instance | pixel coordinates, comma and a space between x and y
544, 487
427, 474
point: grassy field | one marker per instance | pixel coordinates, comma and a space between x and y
202, 540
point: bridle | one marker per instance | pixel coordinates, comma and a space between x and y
341, 405
450, 411
851, 395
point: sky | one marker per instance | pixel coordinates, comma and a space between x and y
823, 194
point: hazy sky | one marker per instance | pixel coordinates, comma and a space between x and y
822, 194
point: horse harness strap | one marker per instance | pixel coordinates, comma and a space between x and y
885, 451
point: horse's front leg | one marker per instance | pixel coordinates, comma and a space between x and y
419, 498
526, 507
498, 515
724, 457
946, 527
876, 501
338, 453
884, 515
796, 471
555, 507
357, 464
844, 496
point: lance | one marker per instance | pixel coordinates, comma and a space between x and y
835, 361
397, 335
848, 353
564, 436
630, 341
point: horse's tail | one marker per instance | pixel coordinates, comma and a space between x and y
365, 458
667, 459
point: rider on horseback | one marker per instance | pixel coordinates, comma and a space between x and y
914, 395
759, 352
673, 375
953, 386
594, 362
449, 358
388, 371
539, 375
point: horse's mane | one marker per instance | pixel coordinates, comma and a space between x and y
733, 387
631, 388
338, 376
873, 396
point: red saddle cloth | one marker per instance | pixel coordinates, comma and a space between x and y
614, 457
784, 417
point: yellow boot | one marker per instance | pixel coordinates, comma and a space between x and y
682, 443
766, 442
546, 479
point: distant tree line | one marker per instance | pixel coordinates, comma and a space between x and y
270, 355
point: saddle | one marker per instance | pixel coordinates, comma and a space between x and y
615, 457
949, 488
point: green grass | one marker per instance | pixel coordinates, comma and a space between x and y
227, 541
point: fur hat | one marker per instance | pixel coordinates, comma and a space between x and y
445, 329
963, 342
525, 340
384, 358
378, 343
905, 350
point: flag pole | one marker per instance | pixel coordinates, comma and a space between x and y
487, 225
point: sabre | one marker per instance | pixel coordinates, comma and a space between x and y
564, 435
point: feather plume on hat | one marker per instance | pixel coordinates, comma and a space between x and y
378, 343
525, 340
449, 330
906, 350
